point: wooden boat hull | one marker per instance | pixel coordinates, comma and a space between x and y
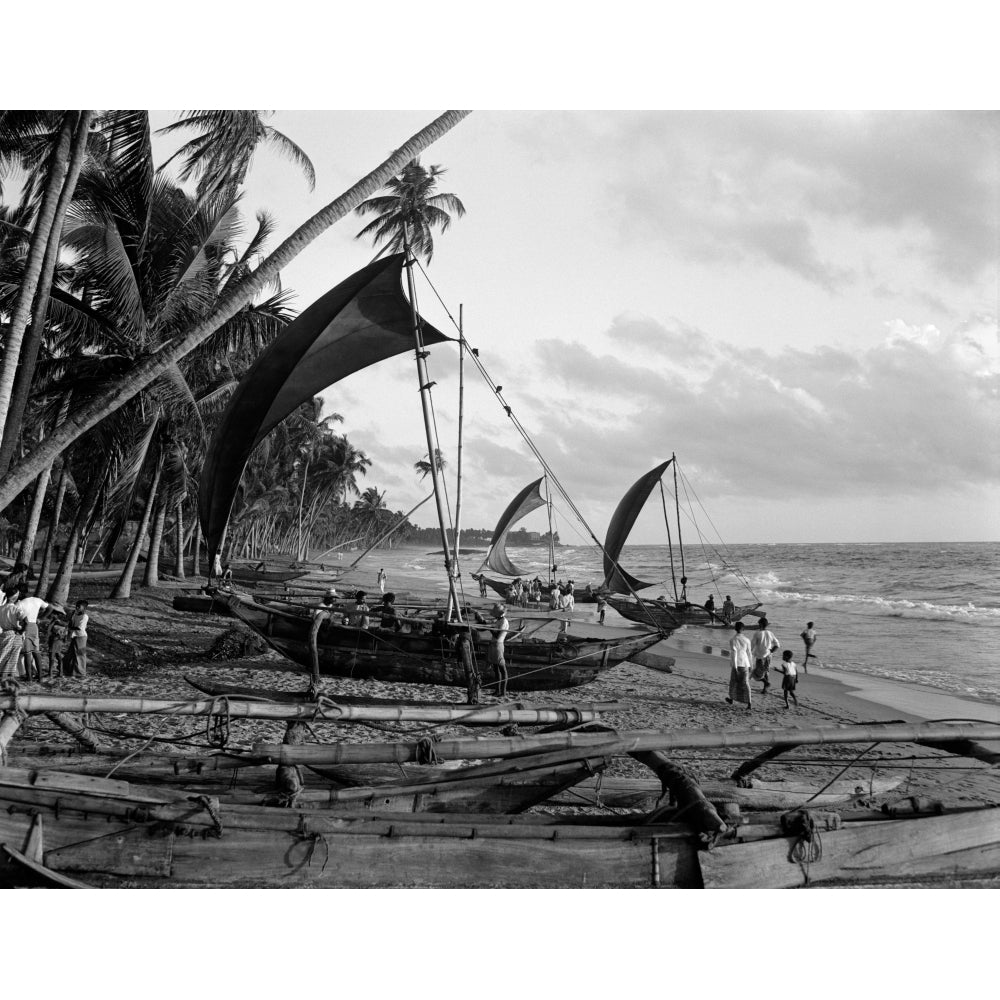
266, 575
532, 665
645, 793
201, 604
668, 616
112, 834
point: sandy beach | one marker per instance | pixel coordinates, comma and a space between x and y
167, 645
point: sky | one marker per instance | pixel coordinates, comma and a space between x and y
801, 305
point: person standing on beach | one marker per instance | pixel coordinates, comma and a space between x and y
728, 609
17, 576
809, 638
381, 580
321, 614
495, 656
32, 607
359, 616
482, 585
763, 644
75, 661
390, 617
602, 606
56, 643
466, 656
790, 679
739, 668
710, 608
12, 622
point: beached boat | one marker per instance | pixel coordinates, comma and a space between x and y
76, 830
248, 574
668, 615
111, 833
425, 658
663, 613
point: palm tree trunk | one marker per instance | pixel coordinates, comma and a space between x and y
133, 382
302, 500
21, 311
34, 516
151, 578
179, 541
33, 340
59, 591
51, 534
123, 588
196, 548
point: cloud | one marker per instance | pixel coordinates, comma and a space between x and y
914, 413
793, 189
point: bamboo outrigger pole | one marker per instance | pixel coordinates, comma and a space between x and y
625, 742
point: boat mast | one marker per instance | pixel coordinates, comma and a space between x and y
432, 452
677, 505
461, 425
552, 548
670, 544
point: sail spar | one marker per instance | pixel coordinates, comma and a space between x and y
529, 499
363, 320
615, 578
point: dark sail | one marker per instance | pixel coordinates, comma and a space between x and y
529, 499
615, 578
363, 320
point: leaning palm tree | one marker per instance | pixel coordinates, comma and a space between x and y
412, 208
152, 367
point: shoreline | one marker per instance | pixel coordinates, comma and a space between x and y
859, 694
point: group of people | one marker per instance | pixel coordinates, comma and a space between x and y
20, 642
725, 614
750, 659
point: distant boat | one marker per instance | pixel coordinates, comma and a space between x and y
497, 560
658, 613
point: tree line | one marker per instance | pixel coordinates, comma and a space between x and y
133, 297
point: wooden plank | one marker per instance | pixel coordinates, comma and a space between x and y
856, 852
131, 851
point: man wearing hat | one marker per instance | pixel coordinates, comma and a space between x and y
495, 655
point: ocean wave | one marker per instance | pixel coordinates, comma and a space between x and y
896, 607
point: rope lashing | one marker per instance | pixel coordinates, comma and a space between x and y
217, 726
426, 754
808, 846
304, 835
206, 803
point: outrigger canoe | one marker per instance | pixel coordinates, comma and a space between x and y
533, 664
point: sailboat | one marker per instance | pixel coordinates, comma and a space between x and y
497, 559
659, 613
365, 319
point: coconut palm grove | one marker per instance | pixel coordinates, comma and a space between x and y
134, 295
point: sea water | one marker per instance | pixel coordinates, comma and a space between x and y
927, 613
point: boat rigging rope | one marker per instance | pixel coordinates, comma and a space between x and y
518, 426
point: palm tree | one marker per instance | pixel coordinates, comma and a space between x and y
219, 158
423, 467
68, 152
406, 216
152, 367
